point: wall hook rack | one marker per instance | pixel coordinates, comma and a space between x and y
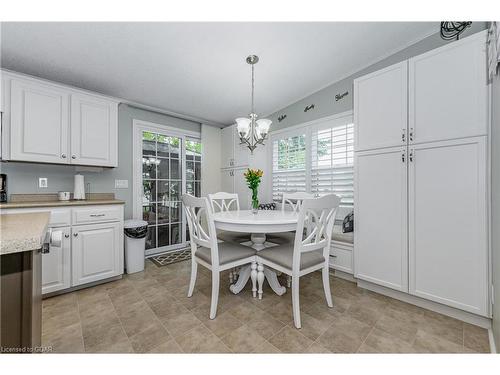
309, 107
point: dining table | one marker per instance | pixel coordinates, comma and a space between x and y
258, 225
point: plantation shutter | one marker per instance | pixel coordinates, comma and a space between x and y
289, 165
332, 170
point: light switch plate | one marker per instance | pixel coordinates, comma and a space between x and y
121, 184
42, 182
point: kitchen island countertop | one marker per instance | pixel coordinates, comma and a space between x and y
22, 232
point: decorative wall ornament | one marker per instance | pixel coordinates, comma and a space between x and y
452, 29
281, 118
309, 107
341, 96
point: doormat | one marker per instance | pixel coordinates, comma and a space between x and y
172, 257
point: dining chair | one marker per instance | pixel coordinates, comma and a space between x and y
206, 251
307, 254
221, 202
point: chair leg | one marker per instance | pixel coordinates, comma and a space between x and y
260, 278
326, 285
253, 276
215, 294
192, 282
295, 302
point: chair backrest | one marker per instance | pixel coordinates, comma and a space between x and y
223, 201
295, 200
197, 210
319, 215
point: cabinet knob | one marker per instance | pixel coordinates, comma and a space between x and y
63, 156
75, 234
66, 236
73, 156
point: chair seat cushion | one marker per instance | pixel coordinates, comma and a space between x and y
283, 256
228, 252
281, 238
338, 235
228, 236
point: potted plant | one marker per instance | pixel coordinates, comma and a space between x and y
253, 177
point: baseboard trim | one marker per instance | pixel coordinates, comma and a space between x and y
342, 275
64, 291
429, 305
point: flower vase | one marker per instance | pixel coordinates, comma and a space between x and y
255, 202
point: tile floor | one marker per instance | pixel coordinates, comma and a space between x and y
149, 312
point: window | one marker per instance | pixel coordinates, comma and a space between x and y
316, 158
332, 159
289, 165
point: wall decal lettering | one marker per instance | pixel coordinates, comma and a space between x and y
281, 118
341, 96
309, 107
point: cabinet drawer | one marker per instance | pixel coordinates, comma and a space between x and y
341, 259
97, 214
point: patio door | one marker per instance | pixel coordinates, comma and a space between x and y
170, 166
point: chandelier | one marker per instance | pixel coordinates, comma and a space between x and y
252, 132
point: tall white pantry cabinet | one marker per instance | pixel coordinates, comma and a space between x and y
421, 171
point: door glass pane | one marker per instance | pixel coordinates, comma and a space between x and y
189, 170
163, 235
151, 238
163, 169
162, 188
149, 191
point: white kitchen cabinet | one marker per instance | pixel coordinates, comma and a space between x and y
96, 250
448, 258
227, 180
241, 188
39, 122
56, 264
94, 131
380, 108
227, 150
46, 122
241, 151
448, 91
380, 235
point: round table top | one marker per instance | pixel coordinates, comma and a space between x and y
265, 221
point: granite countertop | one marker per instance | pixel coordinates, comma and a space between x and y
22, 232
54, 203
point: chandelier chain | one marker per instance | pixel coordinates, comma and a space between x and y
252, 87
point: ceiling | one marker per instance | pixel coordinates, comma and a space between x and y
199, 69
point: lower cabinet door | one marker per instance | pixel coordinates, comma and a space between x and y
97, 252
56, 264
448, 252
380, 235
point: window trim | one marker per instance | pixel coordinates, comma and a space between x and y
306, 128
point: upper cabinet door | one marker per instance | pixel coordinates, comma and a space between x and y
94, 131
448, 91
380, 238
448, 254
241, 151
39, 123
380, 108
227, 151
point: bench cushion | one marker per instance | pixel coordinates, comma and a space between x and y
338, 235
228, 252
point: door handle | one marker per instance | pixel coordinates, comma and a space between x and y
411, 155
73, 156
97, 215
63, 156
412, 133
403, 135
75, 234
66, 236
403, 156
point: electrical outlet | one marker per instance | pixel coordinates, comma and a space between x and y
121, 184
42, 182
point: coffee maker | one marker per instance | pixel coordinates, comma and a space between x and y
3, 188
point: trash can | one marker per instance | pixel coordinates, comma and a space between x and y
135, 244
